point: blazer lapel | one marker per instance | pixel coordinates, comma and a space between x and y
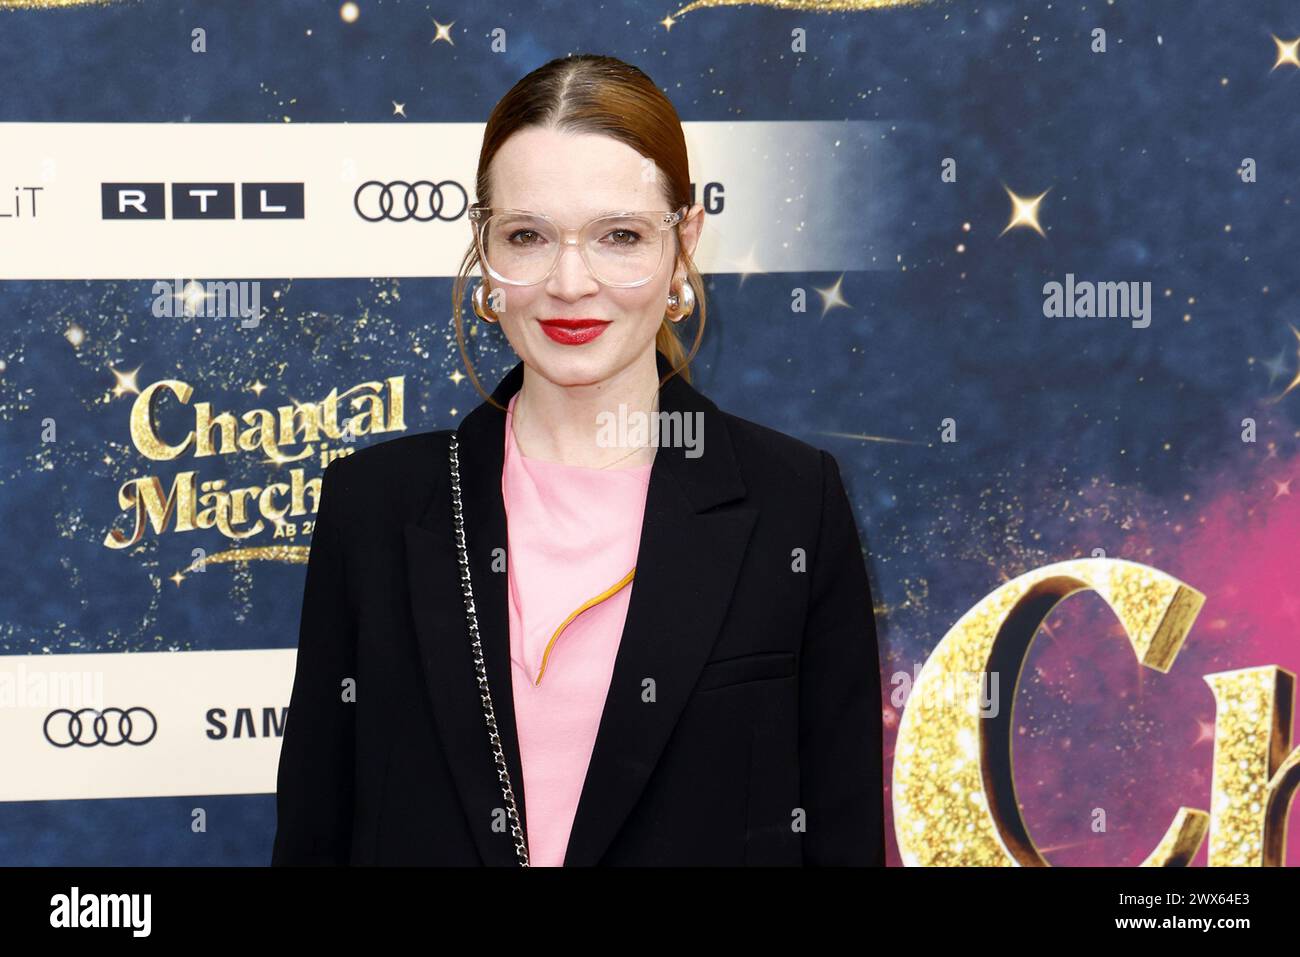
687, 563
438, 607
688, 558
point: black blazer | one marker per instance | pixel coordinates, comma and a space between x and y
762, 745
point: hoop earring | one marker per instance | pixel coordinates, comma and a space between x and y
479, 309
681, 304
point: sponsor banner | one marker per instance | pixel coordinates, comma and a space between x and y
153, 724
257, 200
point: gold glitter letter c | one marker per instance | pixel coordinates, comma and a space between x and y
953, 789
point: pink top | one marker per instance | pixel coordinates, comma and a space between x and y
573, 535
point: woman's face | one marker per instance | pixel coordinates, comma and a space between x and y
574, 177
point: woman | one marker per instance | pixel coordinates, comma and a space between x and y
675, 638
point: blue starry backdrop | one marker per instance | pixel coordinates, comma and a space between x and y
979, 437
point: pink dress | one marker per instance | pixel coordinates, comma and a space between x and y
572, 537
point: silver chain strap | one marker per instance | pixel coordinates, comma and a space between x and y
480, 669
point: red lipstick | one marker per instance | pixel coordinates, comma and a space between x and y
573, 332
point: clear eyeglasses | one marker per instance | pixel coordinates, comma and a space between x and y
522, 248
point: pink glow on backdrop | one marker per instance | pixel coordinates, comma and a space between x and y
1097, 733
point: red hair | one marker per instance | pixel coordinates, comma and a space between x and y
590, 93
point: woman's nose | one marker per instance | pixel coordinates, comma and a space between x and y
572, 277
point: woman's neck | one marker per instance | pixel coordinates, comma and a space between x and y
581, 425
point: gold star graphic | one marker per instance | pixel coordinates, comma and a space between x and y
1288, 52
125, 382
399, 109
178, 578
1024, 212
831, 296
457, 376
444, 32
193, 298
667, 22
257, 387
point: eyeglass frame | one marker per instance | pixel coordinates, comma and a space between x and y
479, 215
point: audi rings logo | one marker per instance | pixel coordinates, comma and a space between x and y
422, 201
88, 727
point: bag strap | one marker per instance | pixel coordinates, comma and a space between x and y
480, 669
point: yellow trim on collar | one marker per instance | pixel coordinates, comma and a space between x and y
607, 593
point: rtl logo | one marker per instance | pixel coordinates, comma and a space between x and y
202, 200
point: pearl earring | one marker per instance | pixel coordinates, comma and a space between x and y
477, 300
682, 304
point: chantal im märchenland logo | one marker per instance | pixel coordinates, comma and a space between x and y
294, 439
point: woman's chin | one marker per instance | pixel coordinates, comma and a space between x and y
567, 371
574, 365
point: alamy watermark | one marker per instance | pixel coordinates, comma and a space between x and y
634, 428
1100, 300
219, 300
22, 687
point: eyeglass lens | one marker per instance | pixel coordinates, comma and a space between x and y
620, 249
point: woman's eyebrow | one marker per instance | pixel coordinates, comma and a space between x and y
607, 212
595, 215
612, 212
